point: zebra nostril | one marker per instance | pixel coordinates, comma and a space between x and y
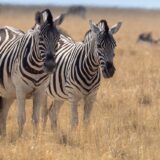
50, 55
109, 65
112, 70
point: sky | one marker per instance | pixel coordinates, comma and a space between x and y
108, 3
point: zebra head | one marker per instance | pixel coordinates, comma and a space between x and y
48, 38
105, 45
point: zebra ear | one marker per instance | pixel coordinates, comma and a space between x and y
93, 27
58, 20
103, 25
38, 18
114, 29
43, 17
47, 16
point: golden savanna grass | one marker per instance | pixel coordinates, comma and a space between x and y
125, 122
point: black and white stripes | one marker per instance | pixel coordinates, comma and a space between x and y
26, 59
77, 75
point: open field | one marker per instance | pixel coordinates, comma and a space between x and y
125, 122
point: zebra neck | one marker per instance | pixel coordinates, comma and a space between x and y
31, 60
91, 56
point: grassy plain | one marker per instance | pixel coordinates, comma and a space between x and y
125, 122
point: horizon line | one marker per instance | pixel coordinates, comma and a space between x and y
89, 6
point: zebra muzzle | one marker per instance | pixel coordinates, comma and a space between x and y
49, 63
108, 70
49, 66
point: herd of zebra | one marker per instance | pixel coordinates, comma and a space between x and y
43, 61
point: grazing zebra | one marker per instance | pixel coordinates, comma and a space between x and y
26, 61
77, 11
147, 37
77, 74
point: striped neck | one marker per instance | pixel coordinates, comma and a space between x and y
91, 57
31, 60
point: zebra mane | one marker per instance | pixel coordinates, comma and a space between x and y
105, 29
101, 23
87, 33
63, 32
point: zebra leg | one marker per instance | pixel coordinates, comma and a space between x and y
38, 98
1, 116
44, 113
4, 108
21, 116
74, 114
53, 113
87, 109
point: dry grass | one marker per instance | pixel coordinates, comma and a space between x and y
125, 122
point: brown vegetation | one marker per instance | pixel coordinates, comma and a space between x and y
125, 122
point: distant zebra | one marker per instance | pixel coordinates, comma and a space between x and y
77, 75
77, 11
147, 37
26, 61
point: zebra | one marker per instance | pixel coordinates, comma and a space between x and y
147, 37
77, 11
77, 75
26, 62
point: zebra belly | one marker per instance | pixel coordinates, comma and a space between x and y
62, 89
55, 95
7, 93
29, 88
8, 88
70, 92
